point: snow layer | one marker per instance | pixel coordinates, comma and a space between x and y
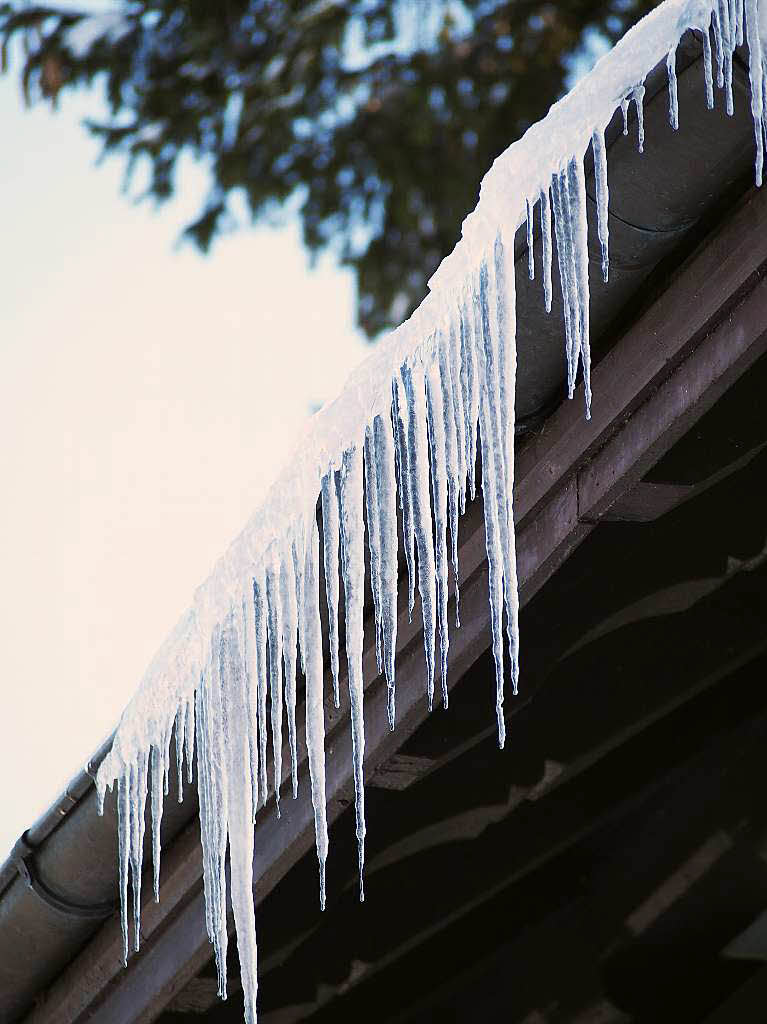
404, 432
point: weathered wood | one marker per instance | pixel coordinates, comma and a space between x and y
690, 391
401, 771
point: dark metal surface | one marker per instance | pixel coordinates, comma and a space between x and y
23, 856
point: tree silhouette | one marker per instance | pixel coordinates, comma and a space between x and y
381, 117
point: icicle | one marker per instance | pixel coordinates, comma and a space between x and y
217, 732
315, 712
708, 70
459, 413
452, 434
439, 482
212, 810
298, 550
374, 537
418, 460
157, 800
245, 625
353, 563
137, 811
123, 847
547, 247
383, 442
289, 639
718, 44
505, 324
404, 480
189, 740
530, 251
579, 234
739, 17
260, 618
757, 81
180, 724
490, 474
638, 96
600, 177
204, 788
330, 556
239, 787
673, 93
470, 388
727, 47
274, 606
565, 253
625, 111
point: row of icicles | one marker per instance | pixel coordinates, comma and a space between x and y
416, 465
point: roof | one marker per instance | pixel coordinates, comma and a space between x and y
678, 325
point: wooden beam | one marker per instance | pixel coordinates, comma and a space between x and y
686, 394
705, 286
663, 374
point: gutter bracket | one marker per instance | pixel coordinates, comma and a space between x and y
22, 856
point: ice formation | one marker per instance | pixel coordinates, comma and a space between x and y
402, 434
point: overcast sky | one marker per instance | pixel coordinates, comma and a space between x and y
147, 396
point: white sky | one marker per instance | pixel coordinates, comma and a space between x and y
147, 395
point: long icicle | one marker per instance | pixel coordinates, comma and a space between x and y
189, 739
315, 711
156, 790
563, 229
330, 528
439, 486
452, 433
756, 76
455, 370
383, 444
580, 250
404, 481
353, 561
138, 806
503, 322
374, 537
603, 199
180, 726
259, 616
638, 96
288, 599
547, 247
492, 527
247, 643
418, 459
470, 386
708, 69
274, 644
238, 786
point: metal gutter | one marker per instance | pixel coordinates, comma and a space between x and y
71, 795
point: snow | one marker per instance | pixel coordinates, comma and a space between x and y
403, 434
